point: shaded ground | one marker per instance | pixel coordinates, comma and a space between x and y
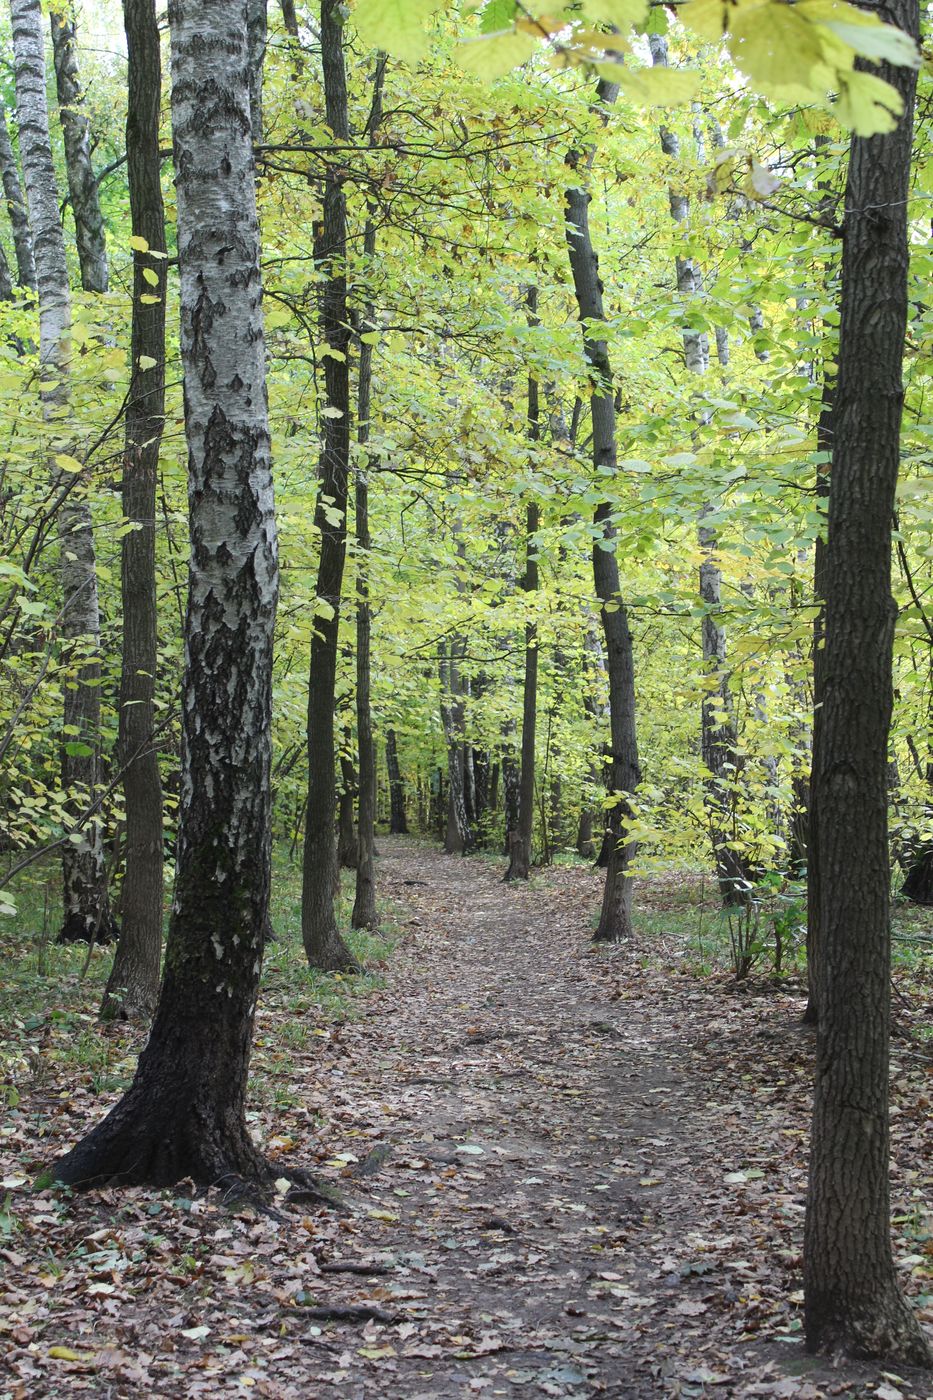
570, 1174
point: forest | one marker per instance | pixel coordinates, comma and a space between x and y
466, 698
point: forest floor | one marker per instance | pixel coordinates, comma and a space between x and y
567, 1172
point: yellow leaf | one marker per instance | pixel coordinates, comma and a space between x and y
150, 276
139, 243
146, 362
867, 104
375, 1353
149, 300
621, 13
401, 27
493, 55
68, 464
652, 87
66, 1354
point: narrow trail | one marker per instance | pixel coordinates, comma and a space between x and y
557, 1165
567, 1172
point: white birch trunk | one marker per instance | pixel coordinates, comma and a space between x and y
86, 912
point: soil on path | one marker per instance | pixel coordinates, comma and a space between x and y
568, 1173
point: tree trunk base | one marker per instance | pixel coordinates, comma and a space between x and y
331, 954
918, 884
880, 1327
79, 928
143, 1142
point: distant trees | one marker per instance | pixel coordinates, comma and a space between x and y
86, 896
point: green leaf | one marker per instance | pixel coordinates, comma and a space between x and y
867, 104
401, 27
498, 14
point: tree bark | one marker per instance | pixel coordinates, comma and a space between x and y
82, 184
184, 1115
323, 944
347, 843
457, 836
16, 208
615, 919
133, 986
256, 25
398, 822
290, 18
521, 838
853, 1302
87, 907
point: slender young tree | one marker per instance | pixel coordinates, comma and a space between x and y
364, 913
16, 208
457, 834
853, 1300
615, 919
398, 821
184, 1113
87, 908
324, 947
133, 985
520, 839
82, 184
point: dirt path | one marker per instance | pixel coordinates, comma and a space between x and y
559, 1153
567, 1174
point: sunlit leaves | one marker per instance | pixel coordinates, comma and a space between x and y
806, 53
401, 27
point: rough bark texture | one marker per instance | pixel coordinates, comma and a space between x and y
82, 185
184, 1114
256, 22
852, 1298
16, 208
86, 905
323, 944
133, 985
398, 821
347, 843
615, 919
290, 18
6, 278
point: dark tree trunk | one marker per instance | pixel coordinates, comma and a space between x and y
347, 844
133, 985
323, 944
16, 208
510, 796
290, 18
364, 913
82, 185
853, 1301
398, 823
521, 837
615, 920
184, 1114
457, 835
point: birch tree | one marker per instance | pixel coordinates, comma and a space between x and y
184, 1114
87, 910
82, 184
